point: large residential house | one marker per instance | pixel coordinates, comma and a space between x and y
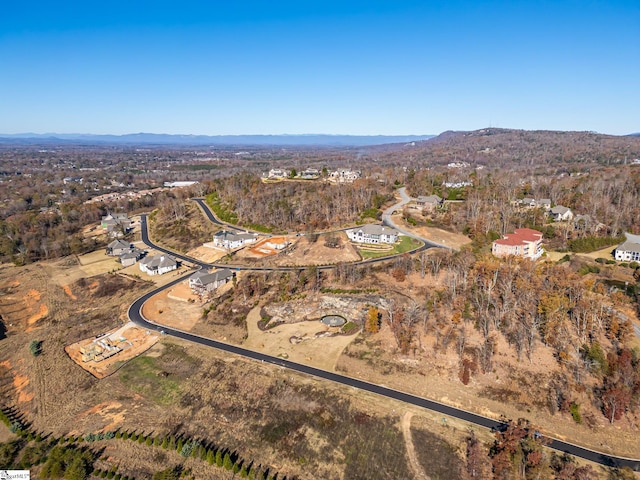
310, 173
204, 281
523, 242
373, 234
545, 203
344, 176
629, 251
430, 203
116, 224
231, 241
117, 248
158, 264
126, 253
529, 202
277, 173
561, 214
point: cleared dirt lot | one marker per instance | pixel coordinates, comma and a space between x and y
177, 312
307, 250
448, 239
313, 348
132, 341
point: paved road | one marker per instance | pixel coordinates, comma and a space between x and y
135, 315
207, 211
426, 243
145, 238
387, 220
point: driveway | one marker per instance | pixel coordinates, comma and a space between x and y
387, 220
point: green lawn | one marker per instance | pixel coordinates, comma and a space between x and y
406, 244
143, 376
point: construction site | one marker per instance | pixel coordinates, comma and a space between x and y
103, 354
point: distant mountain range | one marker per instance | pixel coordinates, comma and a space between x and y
202, 140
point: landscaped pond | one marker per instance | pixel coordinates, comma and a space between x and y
333, 320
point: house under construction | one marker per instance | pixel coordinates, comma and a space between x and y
100, 349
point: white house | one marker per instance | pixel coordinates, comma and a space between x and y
373, 234
344, 176
180, 183
230, 241
561, 214
310, 173
158, 264
277, 173
628, 251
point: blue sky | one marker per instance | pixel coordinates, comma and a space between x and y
336, 67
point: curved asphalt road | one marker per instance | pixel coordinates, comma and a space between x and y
386, 220
135, 315
207, 211
145, 238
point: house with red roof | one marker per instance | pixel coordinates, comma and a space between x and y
523, 242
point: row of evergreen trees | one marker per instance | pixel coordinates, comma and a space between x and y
63, 457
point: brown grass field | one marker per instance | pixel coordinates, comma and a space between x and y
300, 426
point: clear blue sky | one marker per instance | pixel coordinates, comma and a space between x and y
337, 67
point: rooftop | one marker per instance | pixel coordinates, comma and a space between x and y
520, 236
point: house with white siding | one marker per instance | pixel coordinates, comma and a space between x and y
373, 234
230, 241
561, 214
158, 264
629, 251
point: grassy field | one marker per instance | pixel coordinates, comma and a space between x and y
143, 376
299, 426
406, 244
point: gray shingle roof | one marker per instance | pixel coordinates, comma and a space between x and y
118, 244
206, 277
559, 210
159, 261
371, 229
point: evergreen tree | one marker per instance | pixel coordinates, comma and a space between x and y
227, 463
211, 456
165, 443
244, 472
219, 459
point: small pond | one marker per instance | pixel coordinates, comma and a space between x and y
333, 320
